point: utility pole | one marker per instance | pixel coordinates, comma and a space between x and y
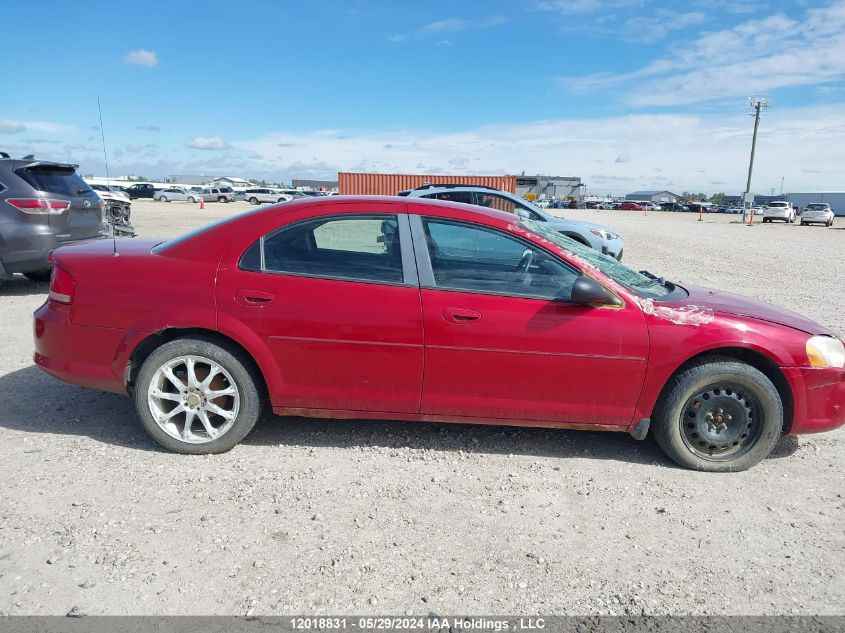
781, 184
757, 105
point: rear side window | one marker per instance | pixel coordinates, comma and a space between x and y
58, 180
364, 248
452, 196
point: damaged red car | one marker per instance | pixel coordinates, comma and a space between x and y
419, 310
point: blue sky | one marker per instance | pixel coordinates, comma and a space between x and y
624, 93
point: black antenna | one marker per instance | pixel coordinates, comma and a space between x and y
103, 136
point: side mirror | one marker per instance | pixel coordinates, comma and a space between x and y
586, 290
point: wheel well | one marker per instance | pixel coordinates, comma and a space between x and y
154, 341
577, 238
757, 360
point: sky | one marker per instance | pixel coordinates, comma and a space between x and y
626, 94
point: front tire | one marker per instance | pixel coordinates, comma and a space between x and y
253, 200
222, 199
162, 198
718, 415
192, 199
197, 397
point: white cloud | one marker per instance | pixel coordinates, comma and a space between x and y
654, 28
566, 7
8, 126
454, 25
209, 142
691, 151
142, 57
756, 56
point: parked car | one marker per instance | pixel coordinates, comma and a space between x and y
106, 192
542, 204
176, 193
629, 205
673, 206
294, 193
262, 195
779, 210
217, 194
43, 205
117, 210
817, 213
428, 311
595, 236
609, 206
140, 190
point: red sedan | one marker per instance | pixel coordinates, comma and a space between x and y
630, 206
417, 310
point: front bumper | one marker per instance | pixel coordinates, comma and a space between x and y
819, 398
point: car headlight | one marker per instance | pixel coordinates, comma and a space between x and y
605, 235
825, 351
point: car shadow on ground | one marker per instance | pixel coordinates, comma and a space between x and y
32, 402
20, 286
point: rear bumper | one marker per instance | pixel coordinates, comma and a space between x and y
819, 399
24, 247
81, 355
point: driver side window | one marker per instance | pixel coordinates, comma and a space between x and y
479, 259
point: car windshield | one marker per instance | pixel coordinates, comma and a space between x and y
635, 282
817, 207
777, 204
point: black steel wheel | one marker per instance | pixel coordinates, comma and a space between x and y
718, 415
721, 422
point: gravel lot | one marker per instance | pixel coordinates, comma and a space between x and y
375, 517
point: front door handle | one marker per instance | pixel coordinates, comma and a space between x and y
461, 315
253, 297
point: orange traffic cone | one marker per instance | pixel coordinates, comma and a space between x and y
202, 203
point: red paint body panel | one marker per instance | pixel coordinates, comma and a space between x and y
363, 350
532, 359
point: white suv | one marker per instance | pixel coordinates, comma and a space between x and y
261, 195
817, 213
779, 210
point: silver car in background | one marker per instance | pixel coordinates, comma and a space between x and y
817, 213
175, 193
598, 237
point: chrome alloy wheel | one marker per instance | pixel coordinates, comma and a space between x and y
193, 399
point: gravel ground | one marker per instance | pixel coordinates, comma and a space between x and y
375, 517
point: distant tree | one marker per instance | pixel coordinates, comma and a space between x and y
718, 198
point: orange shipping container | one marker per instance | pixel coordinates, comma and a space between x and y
358, 184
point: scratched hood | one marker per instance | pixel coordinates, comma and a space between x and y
729, 303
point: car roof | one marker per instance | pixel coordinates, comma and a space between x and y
194, 244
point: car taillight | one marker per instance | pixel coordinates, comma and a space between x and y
41, 206
61, 285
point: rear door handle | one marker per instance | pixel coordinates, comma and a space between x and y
253, 297
461, 315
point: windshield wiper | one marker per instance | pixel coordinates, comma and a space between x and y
659, 280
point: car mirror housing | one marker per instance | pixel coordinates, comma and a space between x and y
586, 290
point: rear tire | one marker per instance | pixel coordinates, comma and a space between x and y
242, 403
39, 275
221, 199
253, 200
162, 198
192, 199
718, 415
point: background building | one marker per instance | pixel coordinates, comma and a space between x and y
188, 179
653, 196
549, 187
836, 199
317, 185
